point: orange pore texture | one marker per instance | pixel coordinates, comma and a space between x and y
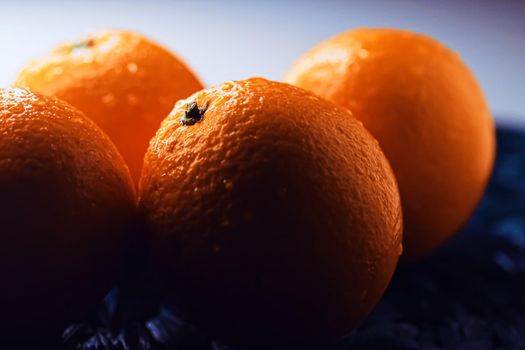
275, 217
428, 113
124, 82
67, 198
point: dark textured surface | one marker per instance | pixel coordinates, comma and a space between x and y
466, 296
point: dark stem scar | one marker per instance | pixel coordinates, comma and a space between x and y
86, 44
193, 114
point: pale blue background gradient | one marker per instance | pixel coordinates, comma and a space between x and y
224, 40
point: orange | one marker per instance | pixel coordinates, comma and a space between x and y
275, 217
428, 113
124, 82
67, 200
